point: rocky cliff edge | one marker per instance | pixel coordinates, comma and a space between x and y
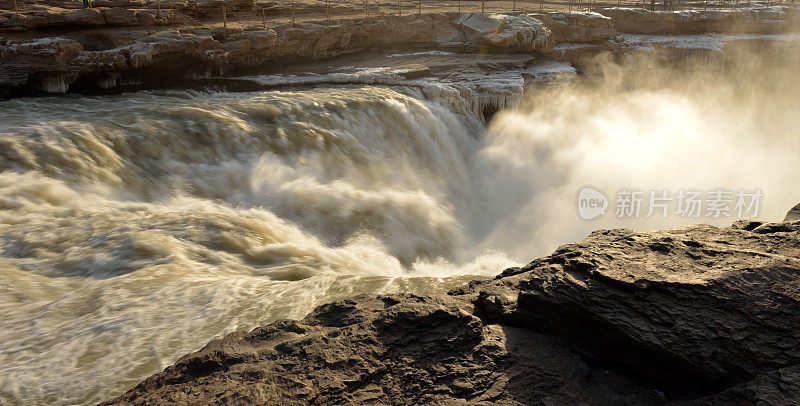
695, 315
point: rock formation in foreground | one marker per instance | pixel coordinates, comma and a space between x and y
695, 315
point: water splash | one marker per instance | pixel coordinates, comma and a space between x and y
135, 228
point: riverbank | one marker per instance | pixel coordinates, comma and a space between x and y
117, 49
201, 189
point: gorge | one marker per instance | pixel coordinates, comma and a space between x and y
325, 210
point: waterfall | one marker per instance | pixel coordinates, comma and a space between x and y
174, 217
135, 228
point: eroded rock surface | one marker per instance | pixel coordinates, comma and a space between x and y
690, 310
388, 350
578, 27
696, 315
745, 20
793, 214
202, 52
135, 43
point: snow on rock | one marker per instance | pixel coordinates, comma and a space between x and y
484, 94
475, 92
640, 42
478, 25
519, 33
708, 42
743, 20
550, 70
438, 53
580, 27
59, 48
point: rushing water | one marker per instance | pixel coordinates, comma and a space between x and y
135, 228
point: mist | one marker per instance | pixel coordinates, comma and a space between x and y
643, 124
173, 217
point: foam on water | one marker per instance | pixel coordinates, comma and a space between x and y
135, 228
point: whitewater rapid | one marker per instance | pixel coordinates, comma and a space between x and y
136, 228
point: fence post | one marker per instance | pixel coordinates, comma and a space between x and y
366, 9
224, 16
419, 4
483, 6
514, 6
328, 7
16, 7
459, 6
263, 17
293, 20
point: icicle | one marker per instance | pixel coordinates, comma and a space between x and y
55, 84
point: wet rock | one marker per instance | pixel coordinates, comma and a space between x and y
695, 315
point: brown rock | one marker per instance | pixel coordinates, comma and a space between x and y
120, 16
701, 315
793, 214
513, 33
86, 16
261, 39
578, 27
237, 47
641, 21
386, 350
145, 18
691, 310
